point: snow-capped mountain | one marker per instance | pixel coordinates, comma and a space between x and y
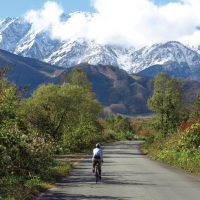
82, 51
12, 30
163, 54
39, 45
172, 57
36, 45
19, 37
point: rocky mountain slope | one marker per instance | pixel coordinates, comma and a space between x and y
29, 72
117, 90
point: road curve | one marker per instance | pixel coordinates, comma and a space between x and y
127, 174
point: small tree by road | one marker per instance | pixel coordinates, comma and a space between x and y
166, 102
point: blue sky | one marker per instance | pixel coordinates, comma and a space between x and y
130, 22
160, 2
16, 8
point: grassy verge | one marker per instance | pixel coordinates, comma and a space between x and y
173, 151
18, 188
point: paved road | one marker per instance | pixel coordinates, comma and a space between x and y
127, 174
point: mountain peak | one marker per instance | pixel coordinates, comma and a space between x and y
17, 36
164, 53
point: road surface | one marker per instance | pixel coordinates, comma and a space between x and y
127, 174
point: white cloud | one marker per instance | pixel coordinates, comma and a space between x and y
130, 22
46, 18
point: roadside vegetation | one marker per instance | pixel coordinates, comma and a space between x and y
67, 119
175, 131
56, 119
120, 127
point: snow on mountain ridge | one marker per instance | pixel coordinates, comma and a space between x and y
6, 22
17, 36
11, 31
36, 45
160, 54
82, 51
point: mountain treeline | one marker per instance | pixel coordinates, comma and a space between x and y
175, 131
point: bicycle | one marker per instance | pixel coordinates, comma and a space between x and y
97, 175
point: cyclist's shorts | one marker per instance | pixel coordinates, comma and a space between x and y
95, 161
97, 157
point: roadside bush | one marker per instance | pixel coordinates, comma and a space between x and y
23, 153
187, 124
68, 113
178, 149
143, 127
121, 126
191, 137
12, 188
108, 135
124, 135
57, 118
36, 185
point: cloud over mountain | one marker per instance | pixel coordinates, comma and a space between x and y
138, 22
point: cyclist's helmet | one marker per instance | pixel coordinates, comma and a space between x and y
98, 145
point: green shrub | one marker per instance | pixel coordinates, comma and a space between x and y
23, 153
179, 149
191, 137
11, 188
35, 183
120, 127
57, 170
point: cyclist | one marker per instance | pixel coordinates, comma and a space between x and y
97, 157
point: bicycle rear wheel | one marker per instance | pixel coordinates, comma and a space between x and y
97, 173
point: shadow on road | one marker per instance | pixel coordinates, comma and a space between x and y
124, 153
112, 181
62, 196
78, 179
